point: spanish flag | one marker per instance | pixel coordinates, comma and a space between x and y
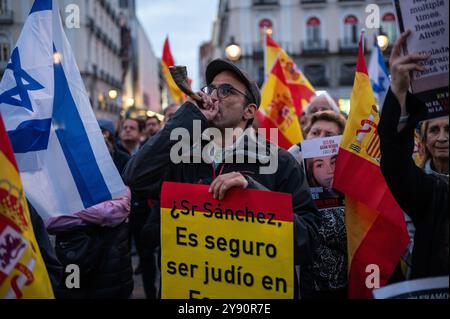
167, 61
301, 89
277, 109
376, 228
22, 270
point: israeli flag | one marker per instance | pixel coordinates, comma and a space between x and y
378, 74
64, 162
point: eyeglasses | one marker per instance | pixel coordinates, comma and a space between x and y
223, 91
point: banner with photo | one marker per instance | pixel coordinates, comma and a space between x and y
319, 161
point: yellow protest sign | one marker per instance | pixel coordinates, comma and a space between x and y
239, 248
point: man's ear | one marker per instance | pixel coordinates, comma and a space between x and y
250, 111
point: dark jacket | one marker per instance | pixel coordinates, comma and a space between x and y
423, 197
103, 256
147, 169
120, 159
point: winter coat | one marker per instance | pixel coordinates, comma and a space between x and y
424, 197
97, 240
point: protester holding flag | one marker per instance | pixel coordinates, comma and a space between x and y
62, 156
230, 100
424, 197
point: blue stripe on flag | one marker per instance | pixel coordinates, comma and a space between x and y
30, 136
381, 61
75, 144
41, 5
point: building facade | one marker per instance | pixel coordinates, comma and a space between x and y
321, 35
97, 49
105, 46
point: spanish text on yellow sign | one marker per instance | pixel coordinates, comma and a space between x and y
237, 248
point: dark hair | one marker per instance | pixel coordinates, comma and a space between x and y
169, 107
312, 182
140, 123
153, 117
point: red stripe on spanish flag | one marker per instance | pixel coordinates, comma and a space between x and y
166, 62
265, 122
277, 109
376, 229
301, 89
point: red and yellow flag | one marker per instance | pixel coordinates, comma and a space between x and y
376, 228
167, 61
22, 270
277, 109
301, 89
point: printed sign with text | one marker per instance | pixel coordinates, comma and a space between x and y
237, 248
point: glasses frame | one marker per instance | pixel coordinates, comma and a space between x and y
221, 96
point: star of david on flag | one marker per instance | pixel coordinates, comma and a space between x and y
63, 160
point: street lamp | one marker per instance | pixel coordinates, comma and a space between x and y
56, 58
383, 41
233, 51
112, 94
130, 102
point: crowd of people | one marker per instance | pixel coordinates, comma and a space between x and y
100, 238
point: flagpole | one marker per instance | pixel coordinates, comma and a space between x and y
266, 72
362, 39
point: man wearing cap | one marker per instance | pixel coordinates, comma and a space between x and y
230, 100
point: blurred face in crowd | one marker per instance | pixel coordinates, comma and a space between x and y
304, 122
233, 108
323, 128
319, 104
323, 170
130, 131
108, 140
152, 126
437, 138
171, 110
